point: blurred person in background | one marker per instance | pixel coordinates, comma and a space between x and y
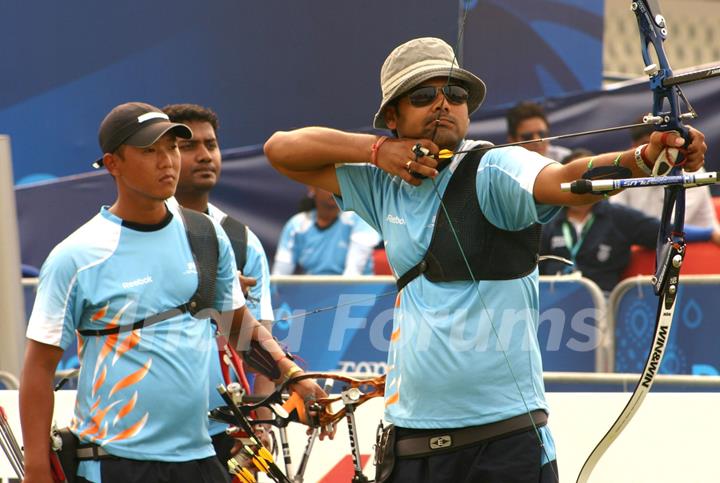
598, 237
201, 164
325, 241
526, 121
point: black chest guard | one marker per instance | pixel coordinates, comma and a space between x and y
493, 253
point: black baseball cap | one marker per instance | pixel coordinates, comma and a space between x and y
135, 124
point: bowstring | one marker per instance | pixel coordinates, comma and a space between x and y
461, 31
332, 307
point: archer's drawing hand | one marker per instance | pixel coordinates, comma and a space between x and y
397, 157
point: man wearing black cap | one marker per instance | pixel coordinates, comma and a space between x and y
133, 282
464, 387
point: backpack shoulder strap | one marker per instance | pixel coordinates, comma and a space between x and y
237, 233
204, 247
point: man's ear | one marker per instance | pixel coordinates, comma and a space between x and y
391, 116
110, 161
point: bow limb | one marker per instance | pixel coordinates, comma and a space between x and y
230, 360
667, 115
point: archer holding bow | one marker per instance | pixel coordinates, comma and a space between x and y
464, 388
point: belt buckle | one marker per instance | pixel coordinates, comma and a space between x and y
441, 442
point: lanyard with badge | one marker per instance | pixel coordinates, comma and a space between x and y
574, 248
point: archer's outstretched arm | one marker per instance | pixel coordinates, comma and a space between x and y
309, 154
547, 185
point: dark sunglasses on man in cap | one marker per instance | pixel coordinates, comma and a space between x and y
527, 136
426, 95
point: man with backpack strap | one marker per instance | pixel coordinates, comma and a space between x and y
127, 281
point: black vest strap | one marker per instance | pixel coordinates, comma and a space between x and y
204, 247
237, 233
492, 253
206, 252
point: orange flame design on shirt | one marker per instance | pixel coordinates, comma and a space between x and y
95, 427
133, 378
103, 434
80, 347
125, 410
129, 432
111, 340
100, 313
128, 343
96, 420
99, 382
392, 399
395, 336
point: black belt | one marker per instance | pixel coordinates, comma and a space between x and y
443, 440
90, 451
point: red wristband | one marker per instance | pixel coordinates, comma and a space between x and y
375, 148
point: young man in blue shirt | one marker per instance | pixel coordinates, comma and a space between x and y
464, 385
142, 396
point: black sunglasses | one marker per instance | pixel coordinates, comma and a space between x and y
424, 96
527, 136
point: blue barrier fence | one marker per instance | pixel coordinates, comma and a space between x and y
692, 346
355, 335
337, 323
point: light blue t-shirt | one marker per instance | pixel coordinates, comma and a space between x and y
259, 303
141, 394
343, 248
446, 366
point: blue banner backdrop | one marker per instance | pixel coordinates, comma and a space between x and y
262, 65
692, 347
530, 49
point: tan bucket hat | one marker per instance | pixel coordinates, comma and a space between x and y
418, 60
